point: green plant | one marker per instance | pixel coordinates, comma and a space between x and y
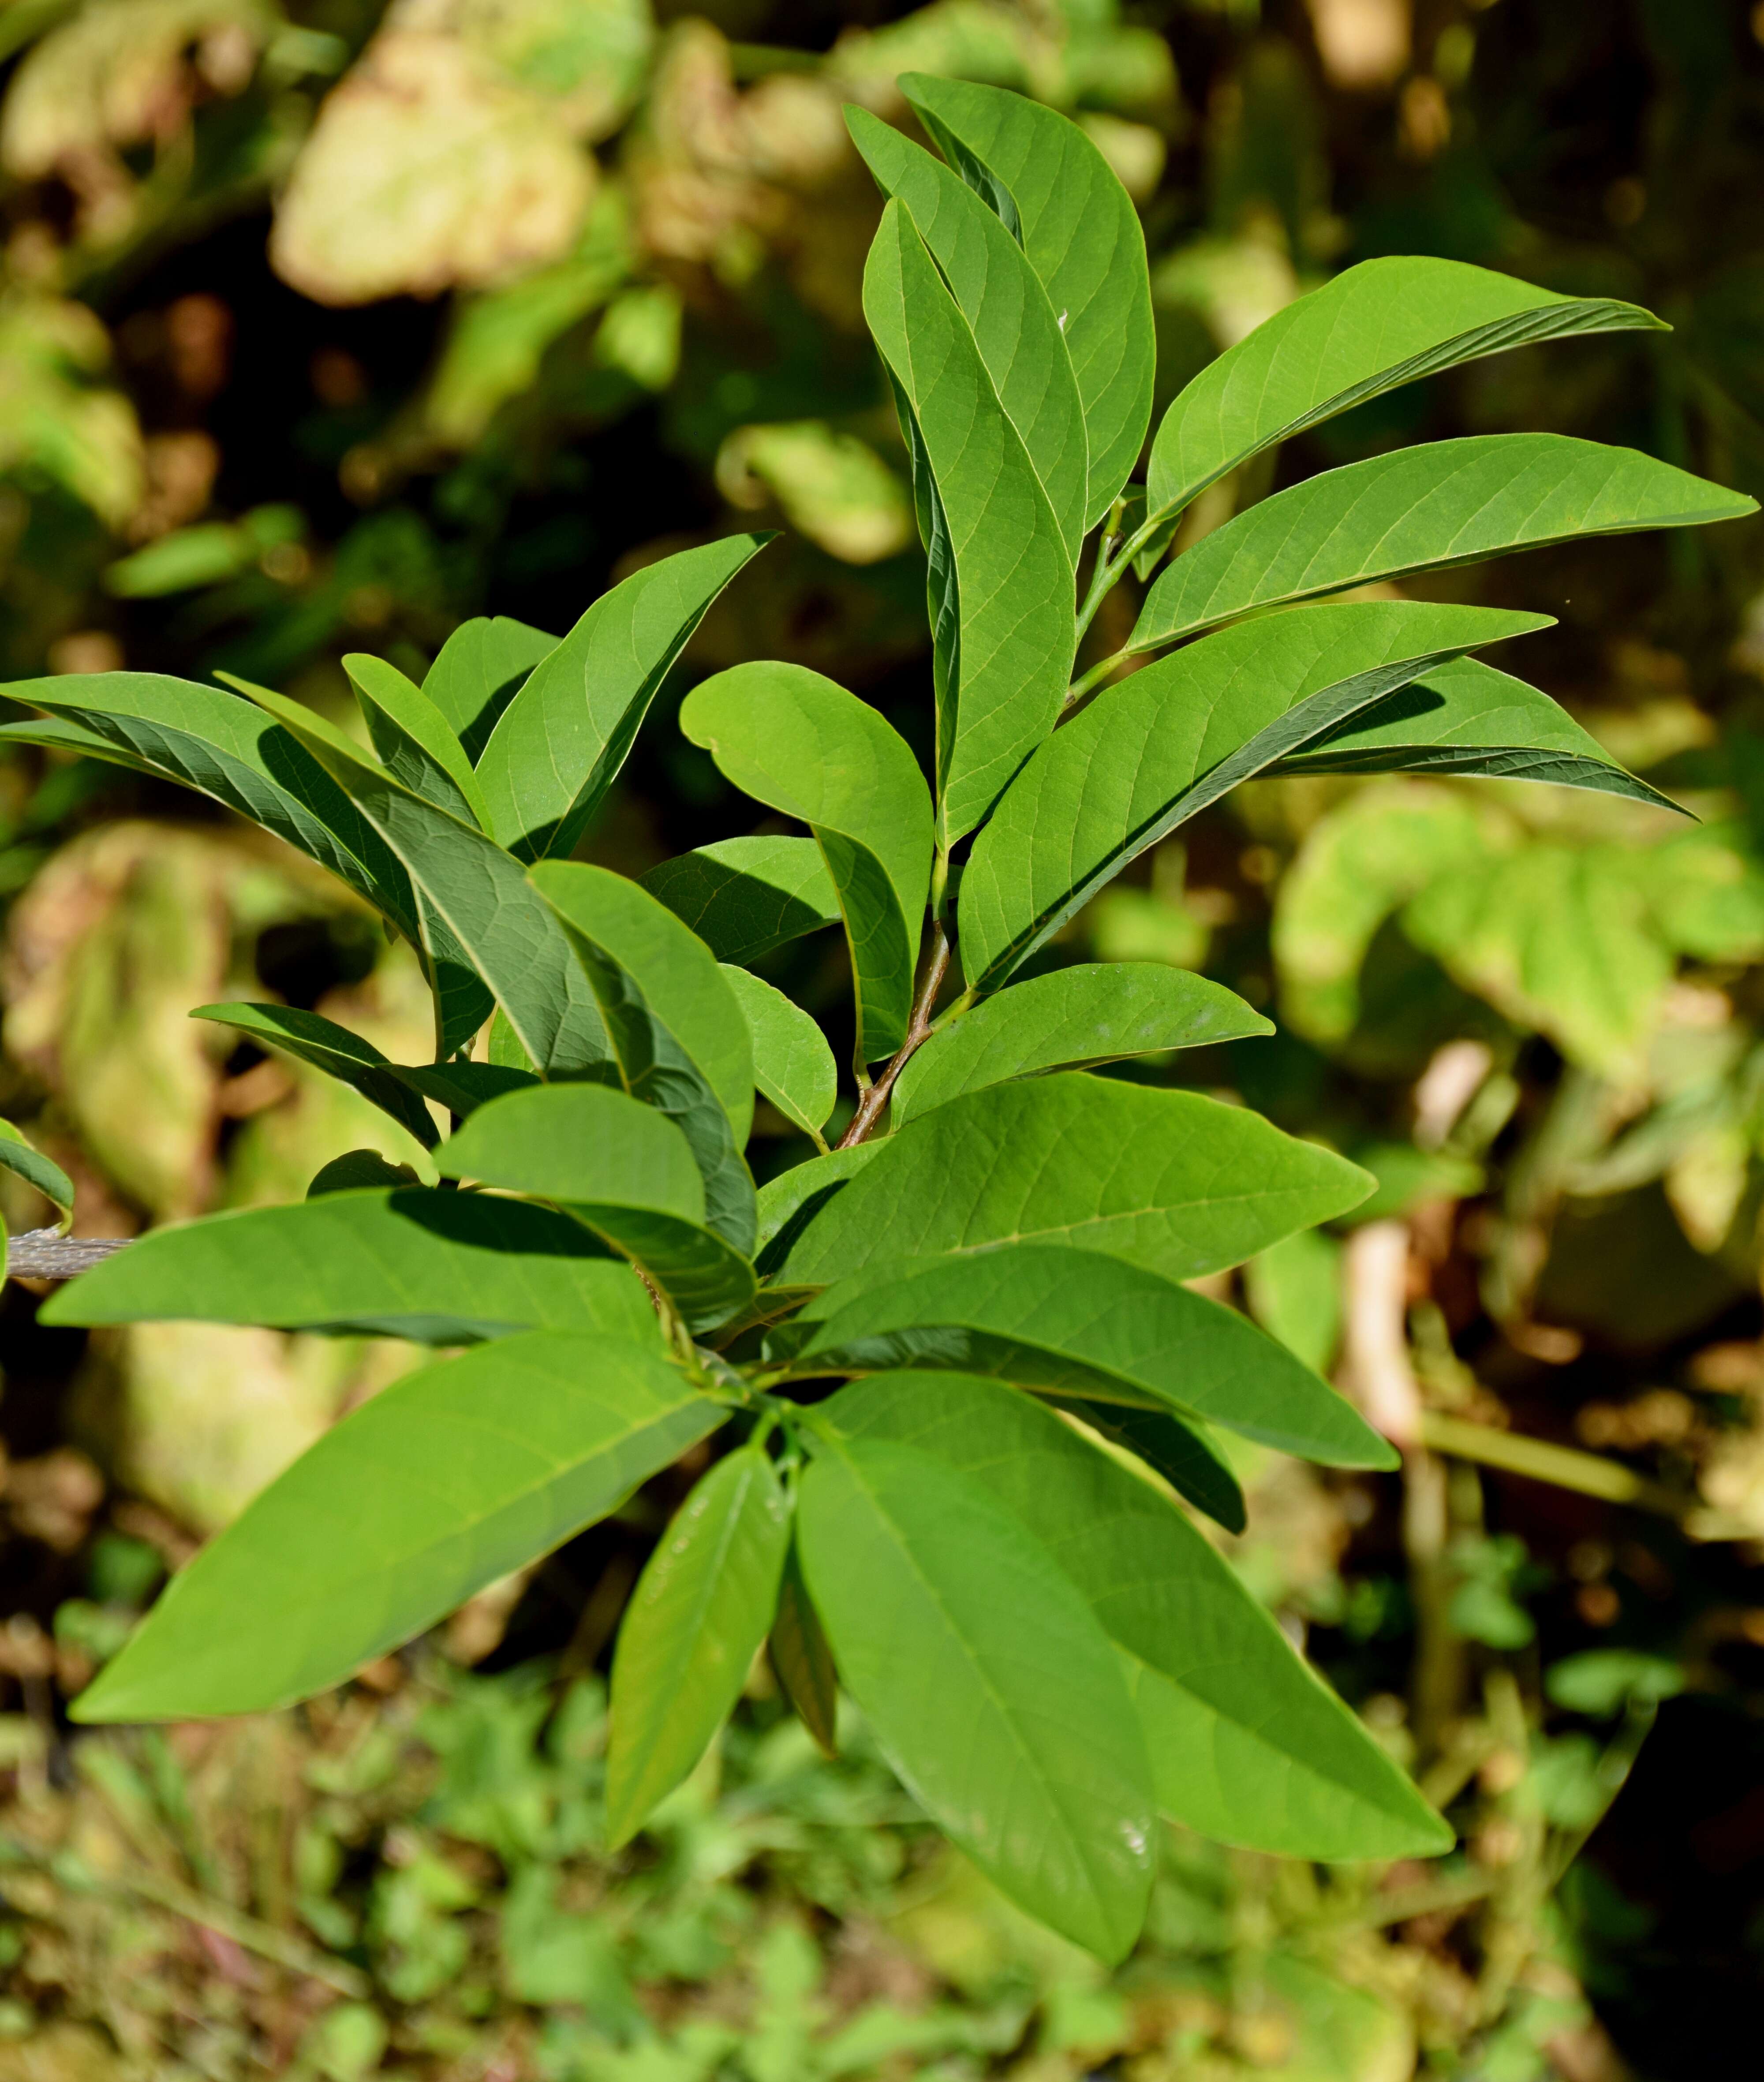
977, 1536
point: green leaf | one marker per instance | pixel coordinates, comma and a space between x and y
1150, 753
1044, 1316
680, 1043
1293, 1289
561, 740
793, 1066
1418, 509
1014, 327
802, 1658
701, 1611
1185, 1454
462, 1087
743, 897
987, 1681
438, 1267
1247, 1745
442, 1482
1468, 718
1382, 324
490, 933
312, 1038
789, 1202
478, 671
1058, 194
1096, 1012
358, 1171
1000, 576
620, 1167
56, 734
18, 1156
796, 742
1181, 1184
414, 740
227, 749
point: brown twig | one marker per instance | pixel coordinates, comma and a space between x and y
42, 1254
871, 1105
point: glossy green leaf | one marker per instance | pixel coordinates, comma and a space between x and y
743, 897
333, 1049
18, 1156
802, 1658
999, 579
360, 1170
1183, 1451
986, 1679
1048, 1316
698, 1617
1181, 1184
1247, 1744
793, 1067
1151, 753
1058, 194
789, 1202
478, 671
1095, 1012
1386, 322
796, 742
1015, 328
438, 1485
679, 1041
462, 1087
1468, 718
1416, 509
560, 742
414, 740
438, 1267
620, 1167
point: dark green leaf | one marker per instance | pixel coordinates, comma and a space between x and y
437, 1485
35, 1168
986, 1679
462, 1087
414, 739
334, 1050
1185, 1454
1151, 753
802, 1660
744, 897
358, 1171
793, 1067
478, 671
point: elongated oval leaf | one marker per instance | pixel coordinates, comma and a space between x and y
1096, 1012
439, 1267
334, 1050
794, 740
462, 1087
18, 1157
1181, 1184
743, 897
1078, 227
1045, 1316
1386, 322
442, 1482
561, 740
702, 1608
1466, 717
478, 671
1014, 327
1000, 577
802, 1658
987, 1680
1150, 753
1247, 1744
415, 740
1445, 503
1184, 1452
793, 1066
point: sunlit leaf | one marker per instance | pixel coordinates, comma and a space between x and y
743, 897
333, 1049
414, 739
793, 1067
478, 671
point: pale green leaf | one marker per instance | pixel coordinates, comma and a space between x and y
1181, 1184
743, 897
696, 1619
1151, 753
1058, 194
1015, 328
1293, 1289
560, 743
415, 741
438, 1485
987, 1680
18, 1156
796, 742
1417, 509
1386, 322
312, 1038
478, 671
1044, 1316
789, 1202
1247, 1744
1095, 1012
1000, 576
793, 1067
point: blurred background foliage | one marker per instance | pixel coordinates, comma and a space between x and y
326, 324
